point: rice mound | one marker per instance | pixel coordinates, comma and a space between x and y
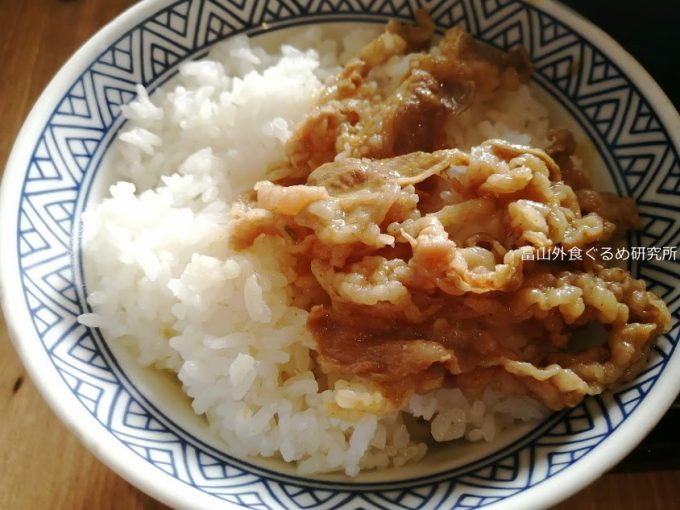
163, 279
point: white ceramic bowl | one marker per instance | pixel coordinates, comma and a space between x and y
135, 422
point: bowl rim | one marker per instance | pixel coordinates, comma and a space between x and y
155, 482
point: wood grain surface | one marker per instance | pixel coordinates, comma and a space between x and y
42, 465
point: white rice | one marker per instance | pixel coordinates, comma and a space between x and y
165, 281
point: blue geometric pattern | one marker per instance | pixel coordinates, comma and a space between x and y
623, 126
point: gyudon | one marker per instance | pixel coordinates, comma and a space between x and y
415, 258
318, 260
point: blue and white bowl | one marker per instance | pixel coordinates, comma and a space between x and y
134, 422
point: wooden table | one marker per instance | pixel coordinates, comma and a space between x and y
42, 466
